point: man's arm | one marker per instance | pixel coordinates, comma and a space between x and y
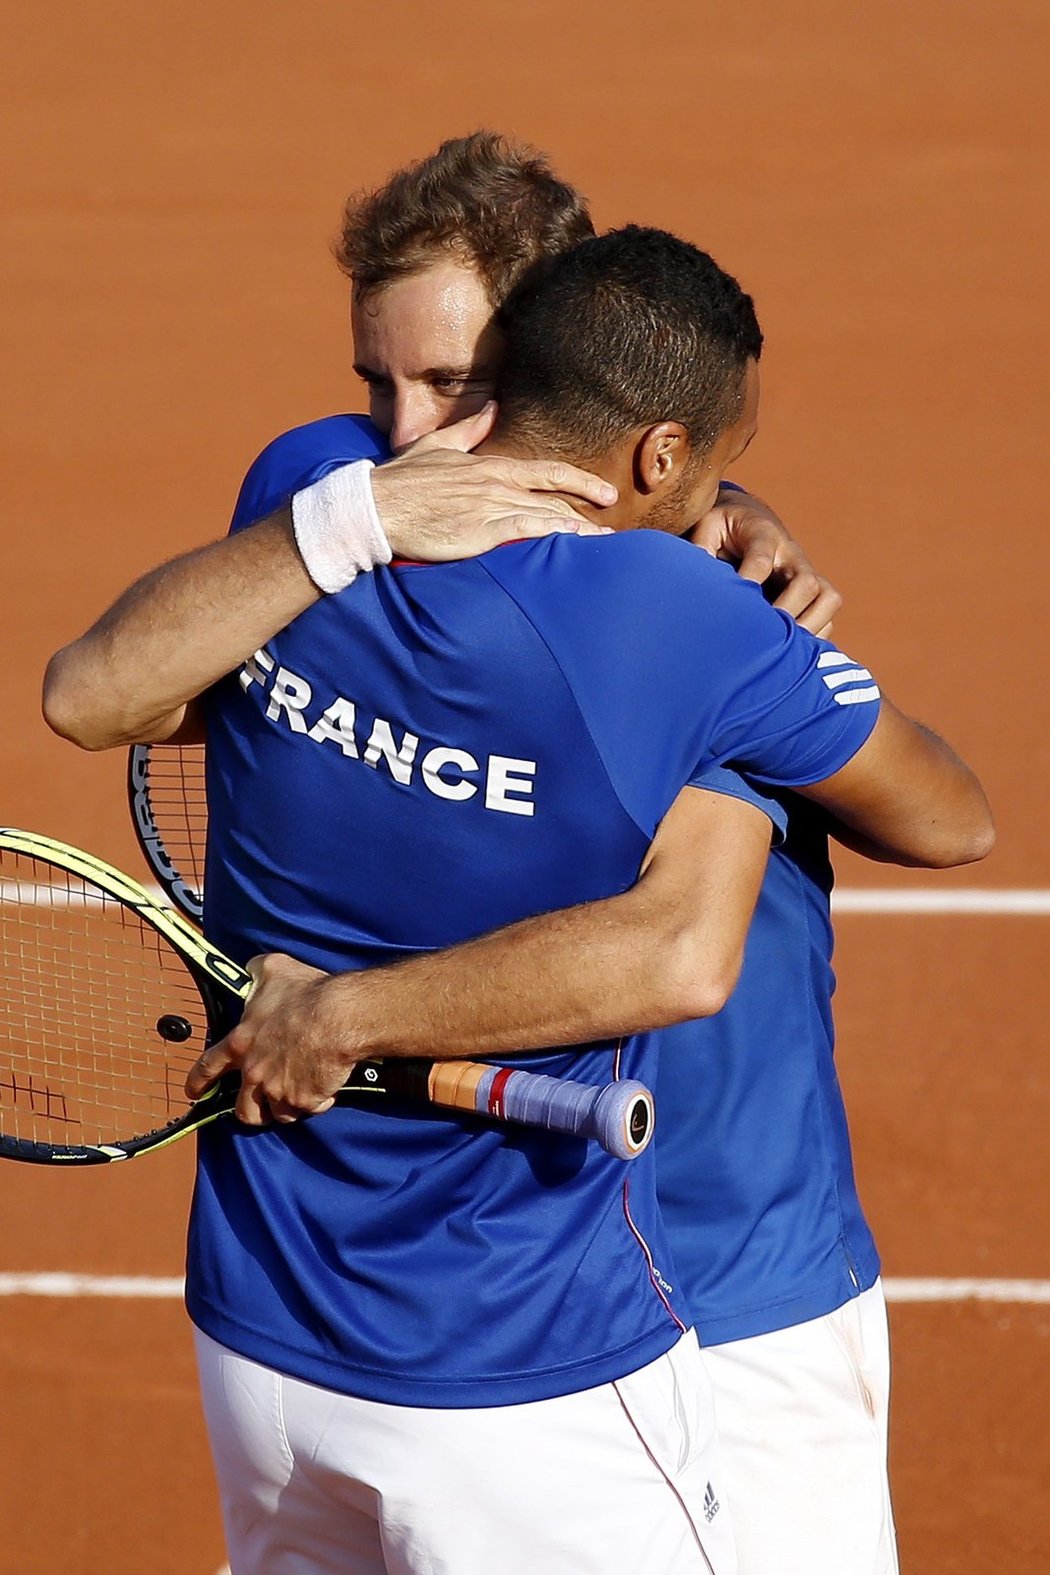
668, 949
130, 679
907, 798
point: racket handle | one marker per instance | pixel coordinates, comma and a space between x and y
619, 1116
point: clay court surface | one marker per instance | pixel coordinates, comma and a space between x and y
877, 176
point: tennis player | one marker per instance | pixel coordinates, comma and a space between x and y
755, 1170
768, 1235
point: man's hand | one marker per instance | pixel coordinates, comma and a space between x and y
283, 1047
437, 501
743, 530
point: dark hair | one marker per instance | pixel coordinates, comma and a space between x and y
494, 203
625, 330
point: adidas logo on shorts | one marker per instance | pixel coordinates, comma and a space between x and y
711, 1504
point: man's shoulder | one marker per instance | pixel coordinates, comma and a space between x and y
631, 589
665, 570
303, 455
636, 620
624, 564
655, 551
346, 437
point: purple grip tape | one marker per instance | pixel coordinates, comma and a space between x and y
618, 1116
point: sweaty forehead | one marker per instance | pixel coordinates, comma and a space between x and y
439, 318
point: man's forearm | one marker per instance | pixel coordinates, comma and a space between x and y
562, 979
173, 634
907, 798
666, 950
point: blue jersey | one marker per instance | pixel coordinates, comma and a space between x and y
755, 1176
435, 752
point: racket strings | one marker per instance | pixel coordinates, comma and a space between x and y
84, 984
174, 783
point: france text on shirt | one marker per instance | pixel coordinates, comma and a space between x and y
444, 769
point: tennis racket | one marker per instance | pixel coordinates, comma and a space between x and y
170, 815
108, 997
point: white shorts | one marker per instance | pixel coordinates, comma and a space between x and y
617, 1480
802, 1422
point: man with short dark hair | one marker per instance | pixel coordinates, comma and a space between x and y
486, 740
755, 1168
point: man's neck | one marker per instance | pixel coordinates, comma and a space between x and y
502, 444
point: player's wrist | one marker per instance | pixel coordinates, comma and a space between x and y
337, 530
341, 1017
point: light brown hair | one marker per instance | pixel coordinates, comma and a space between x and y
494, 203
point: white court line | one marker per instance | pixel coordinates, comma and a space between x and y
123, 1286
1026, 900
967, 1290
74, 1285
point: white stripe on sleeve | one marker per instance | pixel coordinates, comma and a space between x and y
851, 676
857, 696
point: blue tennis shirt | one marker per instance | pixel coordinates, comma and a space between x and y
435, 752
755, 1174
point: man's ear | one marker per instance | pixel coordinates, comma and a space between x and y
661, 454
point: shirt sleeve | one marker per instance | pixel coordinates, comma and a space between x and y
677, 665
300, 457
721, 779
801, 718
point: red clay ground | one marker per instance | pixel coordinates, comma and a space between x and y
877, 177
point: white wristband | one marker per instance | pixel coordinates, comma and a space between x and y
337, 529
